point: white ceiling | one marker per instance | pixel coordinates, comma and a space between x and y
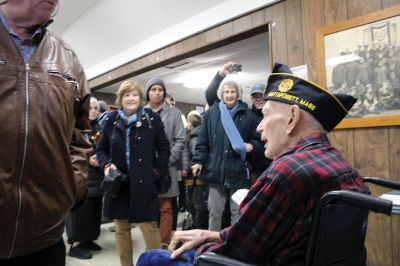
188, 81
69, 12
109, 27
123, 23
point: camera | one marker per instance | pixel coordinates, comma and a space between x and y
112, 182
236, 68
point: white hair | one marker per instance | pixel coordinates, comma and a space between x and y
94, 100
313, 122
309, 122
229, 83
193, 112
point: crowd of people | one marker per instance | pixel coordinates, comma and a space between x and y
68, 165
147, 142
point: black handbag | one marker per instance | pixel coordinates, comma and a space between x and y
163, 183
188, 222
111, 183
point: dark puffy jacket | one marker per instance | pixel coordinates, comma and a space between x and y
95, 175
222, 166
257, 162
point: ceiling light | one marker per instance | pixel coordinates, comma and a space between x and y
198, 79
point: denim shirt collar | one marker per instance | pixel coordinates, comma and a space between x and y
36, 36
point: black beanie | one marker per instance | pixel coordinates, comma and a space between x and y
151, 83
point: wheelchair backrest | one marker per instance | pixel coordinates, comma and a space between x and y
337, 235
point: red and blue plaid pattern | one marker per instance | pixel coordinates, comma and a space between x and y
275, 219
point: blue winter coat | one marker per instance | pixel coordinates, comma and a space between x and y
222, 166
149, 155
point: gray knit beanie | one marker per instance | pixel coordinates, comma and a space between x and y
151, 83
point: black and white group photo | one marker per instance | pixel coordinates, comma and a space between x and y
365, 62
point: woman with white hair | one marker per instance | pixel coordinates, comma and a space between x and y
227, 136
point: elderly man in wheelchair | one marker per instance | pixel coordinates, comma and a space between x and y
275, 221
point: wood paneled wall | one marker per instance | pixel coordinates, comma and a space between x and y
373, 151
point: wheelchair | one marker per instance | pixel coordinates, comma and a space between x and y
333, 240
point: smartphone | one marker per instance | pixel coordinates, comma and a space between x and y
112, 174
236, 68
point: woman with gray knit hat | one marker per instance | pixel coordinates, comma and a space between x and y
176, 134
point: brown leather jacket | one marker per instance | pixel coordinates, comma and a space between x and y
43, 158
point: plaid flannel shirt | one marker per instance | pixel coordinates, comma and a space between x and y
275, 220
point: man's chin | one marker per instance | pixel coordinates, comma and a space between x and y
158, 101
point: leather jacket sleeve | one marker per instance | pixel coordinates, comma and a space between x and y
80, 146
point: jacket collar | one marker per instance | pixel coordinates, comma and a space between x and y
37, 35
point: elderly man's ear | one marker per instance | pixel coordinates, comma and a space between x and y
294, 118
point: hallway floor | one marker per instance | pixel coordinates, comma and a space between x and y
108, 255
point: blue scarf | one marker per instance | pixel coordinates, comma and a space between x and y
128, 121
231, 130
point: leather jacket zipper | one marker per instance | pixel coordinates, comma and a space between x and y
27, 69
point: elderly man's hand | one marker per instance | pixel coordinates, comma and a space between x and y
183, 241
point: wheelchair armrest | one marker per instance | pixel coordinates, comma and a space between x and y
383, 182
360, 200
213, 259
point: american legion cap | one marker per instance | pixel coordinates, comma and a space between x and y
329, 109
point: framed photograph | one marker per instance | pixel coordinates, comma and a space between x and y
361, 57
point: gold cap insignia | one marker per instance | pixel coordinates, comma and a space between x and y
285, 85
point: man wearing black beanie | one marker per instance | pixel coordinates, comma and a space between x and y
155, 92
